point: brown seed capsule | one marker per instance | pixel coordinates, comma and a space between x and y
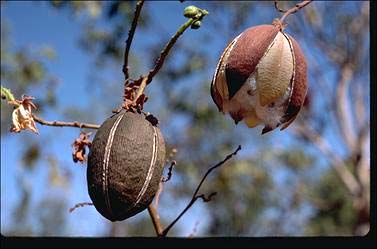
125, 165
261, 78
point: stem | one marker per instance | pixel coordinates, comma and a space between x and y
291, 10
155, 220
195, 196
78, 205
7, 94
141, 89
67, 124
165, 51
131, 33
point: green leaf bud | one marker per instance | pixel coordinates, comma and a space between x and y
196, 25
191, 11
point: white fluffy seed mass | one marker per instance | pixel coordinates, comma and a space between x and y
247, 101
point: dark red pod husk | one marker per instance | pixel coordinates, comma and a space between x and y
299, 84
125, 165
261, 78
246, 55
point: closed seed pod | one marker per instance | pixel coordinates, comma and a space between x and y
125, 165
261, 78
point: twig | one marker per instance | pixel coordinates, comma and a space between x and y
62, 124
277, 7
146, 79
82, 204
341, 169
170, 172
165, 51
207, 198
152, 209
155, 220
291, 10
158, 194
131, 33
195, 196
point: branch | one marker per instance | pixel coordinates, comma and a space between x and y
291, 10
342, 107
165, 51
152, 209
360, 112
158, 194
131, 33
279, 9
82, 204
362, 162
144, 80
155, 220
195, 196
62, 124
341, 169
206, 198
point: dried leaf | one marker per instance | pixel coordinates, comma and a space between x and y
130, 93
22, 117
79, 150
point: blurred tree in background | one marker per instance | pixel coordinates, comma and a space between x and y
312, 179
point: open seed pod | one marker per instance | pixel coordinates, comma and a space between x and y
125, 165
261, 78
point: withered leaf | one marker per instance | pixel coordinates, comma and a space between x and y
22, 117
79, 150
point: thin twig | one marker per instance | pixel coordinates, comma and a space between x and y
152, 209
291, 10
131, 33
165, 51
195, 196
82, 204
155, 220
158, 194
278, 8
146, 79
63, 124
207, 198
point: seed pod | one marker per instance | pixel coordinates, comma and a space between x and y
125, 165
261, 78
